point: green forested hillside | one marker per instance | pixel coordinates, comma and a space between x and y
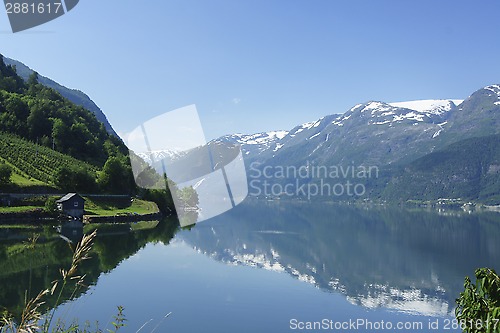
41, 115
467, 170
74, 95
46, 139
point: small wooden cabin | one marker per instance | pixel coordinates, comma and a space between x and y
72, 204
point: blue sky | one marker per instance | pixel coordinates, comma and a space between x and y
261, 65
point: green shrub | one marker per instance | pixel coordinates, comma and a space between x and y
478, 307
5, 173
51, 205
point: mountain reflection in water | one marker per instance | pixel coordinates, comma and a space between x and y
407, 260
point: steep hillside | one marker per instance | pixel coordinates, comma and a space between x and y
33, 161
390, 137
48, 140
467, 170
478, 115
42, 115
378, 133
75, 96
373, 133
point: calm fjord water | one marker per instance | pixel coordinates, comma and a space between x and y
278, 267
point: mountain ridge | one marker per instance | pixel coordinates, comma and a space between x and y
392, 136
388, 137
74, 95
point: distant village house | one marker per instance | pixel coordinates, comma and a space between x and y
71, 204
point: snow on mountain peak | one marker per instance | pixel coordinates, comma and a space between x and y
376, 107
154, 156
261, 138
257, 138
381, 113
494, 88
433, 106
355, 107
278, 134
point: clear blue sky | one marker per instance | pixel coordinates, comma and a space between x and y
258, 65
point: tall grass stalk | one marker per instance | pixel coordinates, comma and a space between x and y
31, 316
80, 254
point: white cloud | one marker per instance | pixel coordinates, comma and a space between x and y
236, 100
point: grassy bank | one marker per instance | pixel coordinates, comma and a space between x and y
18, 209
96, 207
111, 208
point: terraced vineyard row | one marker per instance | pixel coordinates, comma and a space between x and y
36, 161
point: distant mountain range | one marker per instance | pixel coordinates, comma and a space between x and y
420, 151
75, 96
331, 137
394, 138
351, 137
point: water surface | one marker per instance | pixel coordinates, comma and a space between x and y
273, 267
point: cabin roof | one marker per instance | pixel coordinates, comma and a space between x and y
68, 197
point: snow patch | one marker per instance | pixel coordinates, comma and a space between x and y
308, 125
155, 156
409, 116
494, 88
278, 134
433, 106
262, 138
376, 107
315, 135
437, 133
382, 122
355, 107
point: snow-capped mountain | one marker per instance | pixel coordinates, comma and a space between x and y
380, 133
153, 157
388, 136
265, 145
385, 135
430, 106
380, 113
254, 144
425, 119
495, 89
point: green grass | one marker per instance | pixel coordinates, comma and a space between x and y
134, 226
144, 225
23, 181
18, 209
20, 226
101, 208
